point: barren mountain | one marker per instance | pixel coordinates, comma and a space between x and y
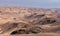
25, 21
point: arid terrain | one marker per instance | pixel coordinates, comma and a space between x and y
28, 21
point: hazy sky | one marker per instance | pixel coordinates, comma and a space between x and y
32, 3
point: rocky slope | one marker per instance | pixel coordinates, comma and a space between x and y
23, 20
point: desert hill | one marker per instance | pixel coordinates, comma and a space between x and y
24, 20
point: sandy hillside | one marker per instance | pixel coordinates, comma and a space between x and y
25, 21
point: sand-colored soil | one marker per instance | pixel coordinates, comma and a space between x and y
25, 21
